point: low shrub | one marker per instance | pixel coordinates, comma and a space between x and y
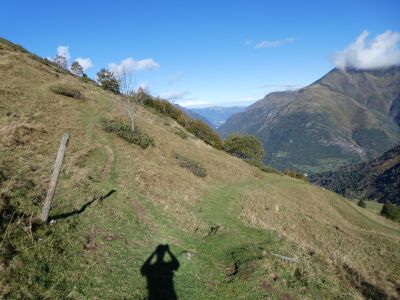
196, 127
204, 132
244, 146
362, 203
391, 211
166, 108
181, 133
195, 167
262, 166
124, 131
295, 174
67, 91
87, 79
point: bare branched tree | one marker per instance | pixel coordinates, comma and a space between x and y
133, 97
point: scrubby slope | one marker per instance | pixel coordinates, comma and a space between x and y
115, 202
344, 117
377, 180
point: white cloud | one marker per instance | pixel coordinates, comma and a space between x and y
63, 51
174, 78
130, 65
381, 52
173, 95
86, 63
194, 103
248, 42
274, 43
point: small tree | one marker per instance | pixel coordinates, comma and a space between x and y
61, 61
108, 81
391, 211
76, 68
132, 97
362, 203
244, 146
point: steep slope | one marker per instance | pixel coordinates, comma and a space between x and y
378, 180
343, 117
115, 202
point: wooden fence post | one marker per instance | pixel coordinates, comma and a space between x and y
54, 177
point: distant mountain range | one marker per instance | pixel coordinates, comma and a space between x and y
344, 117
217, 115
377, 180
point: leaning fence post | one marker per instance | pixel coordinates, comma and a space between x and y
54, 177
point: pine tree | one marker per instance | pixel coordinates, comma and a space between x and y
108, 81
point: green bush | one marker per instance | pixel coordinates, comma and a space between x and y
362, 203
67, 91
391, 211
295, 174
244, 147
195, 167
124, 131
196, 127
87, 79
262, 166
108, 81
204, 132
166, 108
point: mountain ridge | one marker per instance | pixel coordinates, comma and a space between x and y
343, 117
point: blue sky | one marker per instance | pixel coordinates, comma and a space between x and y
204, 52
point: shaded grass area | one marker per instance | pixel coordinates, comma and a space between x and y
67, 91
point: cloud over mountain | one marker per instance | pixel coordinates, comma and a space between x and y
381, 52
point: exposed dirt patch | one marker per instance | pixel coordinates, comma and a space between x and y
107, 165
141, 213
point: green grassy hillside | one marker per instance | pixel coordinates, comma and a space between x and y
238, 233
346, 116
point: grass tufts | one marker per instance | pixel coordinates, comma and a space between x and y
194, 166
67, 91
181, 133
123, 130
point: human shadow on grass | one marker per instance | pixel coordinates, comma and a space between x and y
159, 274
83, 208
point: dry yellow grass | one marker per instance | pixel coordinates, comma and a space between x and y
322, 222
32, 120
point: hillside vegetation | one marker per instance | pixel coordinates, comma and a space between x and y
344, 117
237, 232
377, 180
